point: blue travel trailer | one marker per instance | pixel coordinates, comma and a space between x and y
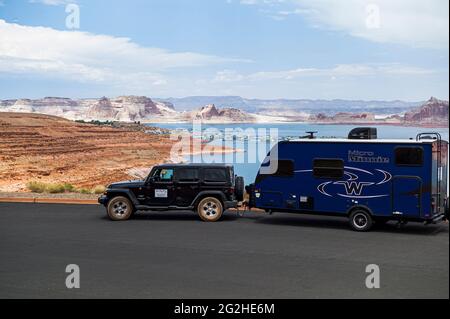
366, 179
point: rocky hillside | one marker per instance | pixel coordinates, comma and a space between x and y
128, 108
210, 113
433, 112
122, 108
49, 149
343, 117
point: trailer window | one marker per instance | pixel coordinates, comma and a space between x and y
328, 168
285, 168
409, 156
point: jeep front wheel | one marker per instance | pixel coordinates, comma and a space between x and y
210, 209
119, 208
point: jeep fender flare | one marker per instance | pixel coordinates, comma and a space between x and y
123, 192
204, 194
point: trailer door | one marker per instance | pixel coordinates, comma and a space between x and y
406, 196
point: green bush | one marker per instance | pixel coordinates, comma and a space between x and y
69, 187
55, 188
84, 191
39, 187
99, 189
36, 187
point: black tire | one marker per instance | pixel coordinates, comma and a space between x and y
446, 208
239, 188
360, 220
210, 209
119, 208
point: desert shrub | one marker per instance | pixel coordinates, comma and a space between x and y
52, 188
69, 187
36, 187
84, 191
99, 189
55, 188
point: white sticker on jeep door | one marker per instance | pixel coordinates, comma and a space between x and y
160, 193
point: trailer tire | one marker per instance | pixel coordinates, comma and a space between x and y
361, 220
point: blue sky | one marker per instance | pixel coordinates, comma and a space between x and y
318, 49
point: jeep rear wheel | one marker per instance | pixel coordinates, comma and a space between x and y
210, 209
119, 208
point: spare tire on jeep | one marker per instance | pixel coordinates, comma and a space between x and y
239, 188
446, 209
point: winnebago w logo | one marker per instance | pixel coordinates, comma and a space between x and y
352, 187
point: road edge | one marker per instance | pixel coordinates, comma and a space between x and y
36, 200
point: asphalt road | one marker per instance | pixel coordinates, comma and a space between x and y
174, 255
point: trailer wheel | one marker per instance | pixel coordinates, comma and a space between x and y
361, 220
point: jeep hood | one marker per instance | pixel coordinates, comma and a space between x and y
127, 184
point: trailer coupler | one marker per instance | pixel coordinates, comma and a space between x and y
242, 208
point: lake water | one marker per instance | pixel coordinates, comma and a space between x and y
249, 170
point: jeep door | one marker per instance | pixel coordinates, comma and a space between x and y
187, 184
160, 191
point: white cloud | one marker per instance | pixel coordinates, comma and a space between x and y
338, 71
53, 2
87, 57
415, 23
228, 76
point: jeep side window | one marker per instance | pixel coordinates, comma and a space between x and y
328, 168
163, 174
187, 175
214, 175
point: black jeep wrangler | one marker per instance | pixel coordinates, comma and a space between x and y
207, 188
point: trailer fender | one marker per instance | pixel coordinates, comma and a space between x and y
363, 207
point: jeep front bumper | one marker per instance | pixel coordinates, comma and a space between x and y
103, 199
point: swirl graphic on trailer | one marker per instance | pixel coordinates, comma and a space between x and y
353, 186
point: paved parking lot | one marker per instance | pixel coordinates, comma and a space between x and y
175, 255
